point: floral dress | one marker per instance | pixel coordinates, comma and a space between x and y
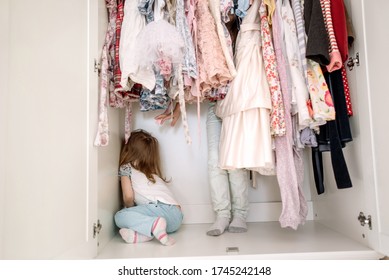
277, 115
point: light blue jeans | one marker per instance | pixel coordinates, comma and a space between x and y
141, 218
229, 188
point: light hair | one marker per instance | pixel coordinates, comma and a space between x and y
142, 152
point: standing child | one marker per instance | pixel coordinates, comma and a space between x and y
150, 209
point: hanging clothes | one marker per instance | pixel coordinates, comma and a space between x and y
339, 19
223, 8
323, 109
154, 50
245, 140
159, 47
350, 41
192, 91
289, 163
317, 38
277, 115
121, 95
215, 8
347, 94
271, 7
102, 137
190, 64
133, 23
317, 54
122, 98
299, 21
211, 61
335, 56
300, 94
188, 70
333, 137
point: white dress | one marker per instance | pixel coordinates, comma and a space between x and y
245, 140
133, 23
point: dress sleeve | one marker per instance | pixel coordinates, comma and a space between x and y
125, 170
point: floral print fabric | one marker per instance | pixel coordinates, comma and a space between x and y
213, 69
102, 137
277, 115
323, 109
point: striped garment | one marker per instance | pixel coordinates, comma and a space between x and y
300, 28
335, 57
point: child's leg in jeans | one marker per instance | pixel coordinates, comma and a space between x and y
146, 220
218, 178
138, 218
239, 182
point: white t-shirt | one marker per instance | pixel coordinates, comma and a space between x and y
146, 191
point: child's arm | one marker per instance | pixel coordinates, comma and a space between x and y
128, 192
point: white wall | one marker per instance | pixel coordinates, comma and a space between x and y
4, 51
187, 166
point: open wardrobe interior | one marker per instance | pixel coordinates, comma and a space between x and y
299, 86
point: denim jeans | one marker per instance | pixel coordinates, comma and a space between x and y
229, 188
141, 218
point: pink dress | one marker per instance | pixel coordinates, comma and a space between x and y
211, 61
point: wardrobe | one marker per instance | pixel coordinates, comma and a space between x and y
59, 192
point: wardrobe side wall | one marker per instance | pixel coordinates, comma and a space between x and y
109, 196
339, 208
377, 44
108, 191
4, 52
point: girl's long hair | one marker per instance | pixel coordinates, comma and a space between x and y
142, 152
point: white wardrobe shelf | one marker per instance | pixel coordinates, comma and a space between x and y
264, 240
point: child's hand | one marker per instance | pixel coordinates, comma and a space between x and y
160, 119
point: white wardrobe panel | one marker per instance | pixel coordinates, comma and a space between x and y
377, 45
107, 158
46, 150
4, 52
109, 200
